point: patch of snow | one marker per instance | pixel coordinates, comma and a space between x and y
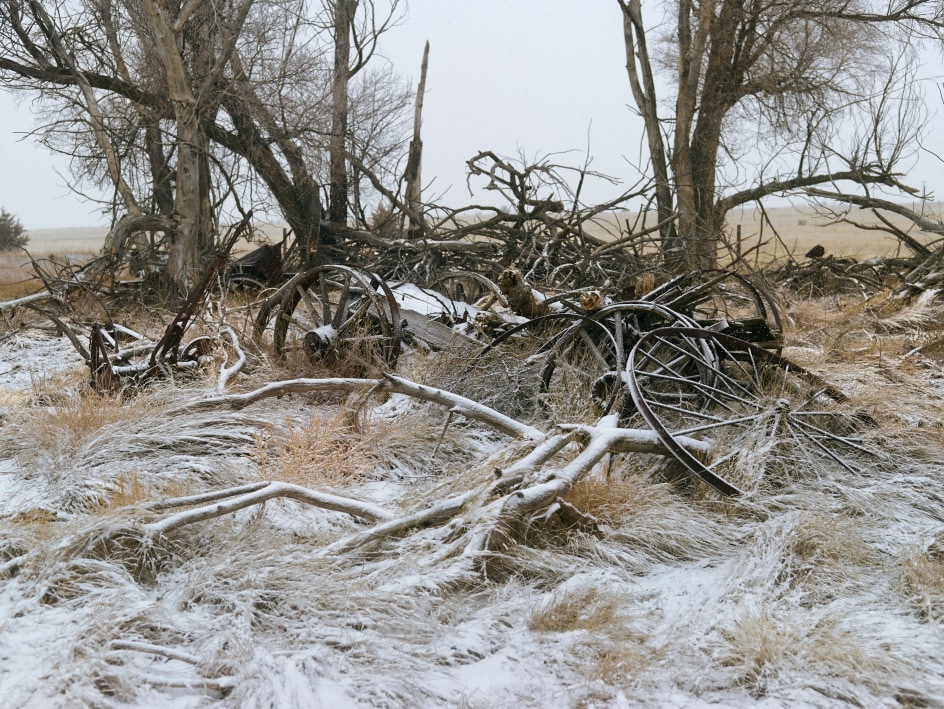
28, 357
431, 303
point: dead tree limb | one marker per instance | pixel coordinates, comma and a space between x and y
392, 384
263, 493
414, 163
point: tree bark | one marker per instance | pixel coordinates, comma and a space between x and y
414, 163
184, 242
343, 21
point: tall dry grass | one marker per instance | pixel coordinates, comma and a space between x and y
324, 450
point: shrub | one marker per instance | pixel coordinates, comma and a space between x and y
11, 232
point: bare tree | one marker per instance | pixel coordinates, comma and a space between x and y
795, 72
169, 103
358, 35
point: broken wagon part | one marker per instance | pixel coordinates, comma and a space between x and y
429, 317
769, 419
725, 301
260, 268
335, 315
109, 365
167, 347
574, 362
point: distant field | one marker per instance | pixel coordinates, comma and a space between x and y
85, 241
802, 229
76, 240
799, 229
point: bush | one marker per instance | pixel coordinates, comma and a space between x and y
11, 232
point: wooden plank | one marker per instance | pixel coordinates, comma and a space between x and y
435, 334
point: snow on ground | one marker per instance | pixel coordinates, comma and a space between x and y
26, 357
828, 592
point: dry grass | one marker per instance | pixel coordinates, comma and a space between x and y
74, 415
922, 582
810, 592
597, 626
131, 488
614, 500
766, 648
577, 609
16, 278
326, 449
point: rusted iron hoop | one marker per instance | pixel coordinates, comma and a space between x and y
737, 398
615, 328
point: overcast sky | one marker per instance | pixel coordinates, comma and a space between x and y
539, 76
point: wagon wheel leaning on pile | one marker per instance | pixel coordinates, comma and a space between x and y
588, 360
341, 317
725, 301
770, 421
574, 364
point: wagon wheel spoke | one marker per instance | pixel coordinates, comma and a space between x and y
310, 306
341, 307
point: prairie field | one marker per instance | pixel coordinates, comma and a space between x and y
249, 539
796, 229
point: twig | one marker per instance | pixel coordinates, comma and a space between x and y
227, 372
167, 652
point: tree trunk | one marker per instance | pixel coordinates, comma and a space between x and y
343, 21
643, 86
415, 161
192, 221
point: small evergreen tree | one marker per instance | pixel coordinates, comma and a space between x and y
11, 232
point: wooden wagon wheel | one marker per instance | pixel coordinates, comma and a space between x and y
339, 316
769, 419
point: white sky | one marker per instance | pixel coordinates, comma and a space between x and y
540, 76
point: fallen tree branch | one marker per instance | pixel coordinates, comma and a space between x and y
441, 511
26, 299
263, 493
226, 373
390, 383
160, 650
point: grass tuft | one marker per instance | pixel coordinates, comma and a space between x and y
325, 449
922, 581
575, 609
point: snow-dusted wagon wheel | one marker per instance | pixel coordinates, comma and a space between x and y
339, 317
729, 300
589, 358
766, 417
576, 363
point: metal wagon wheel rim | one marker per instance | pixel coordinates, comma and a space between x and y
573, 359
712, 296
757, 401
